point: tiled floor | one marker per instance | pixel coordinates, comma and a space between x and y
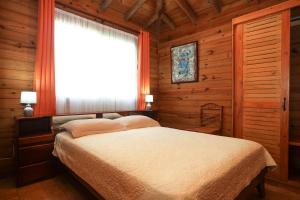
63, 187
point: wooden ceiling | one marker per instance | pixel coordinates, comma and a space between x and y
154, 15
158, 15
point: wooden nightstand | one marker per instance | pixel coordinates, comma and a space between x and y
149, 113
34, 149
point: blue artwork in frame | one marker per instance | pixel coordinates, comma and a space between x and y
184, 63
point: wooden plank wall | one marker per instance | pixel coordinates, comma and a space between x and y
179, 104
154, 70
18, 27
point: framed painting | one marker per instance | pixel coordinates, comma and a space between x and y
184, 63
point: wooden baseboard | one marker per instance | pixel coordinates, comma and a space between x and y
294, 183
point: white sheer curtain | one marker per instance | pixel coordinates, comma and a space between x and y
95, 66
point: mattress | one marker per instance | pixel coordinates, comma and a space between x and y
163, 163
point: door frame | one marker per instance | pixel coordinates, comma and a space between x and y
266, 11
237, 59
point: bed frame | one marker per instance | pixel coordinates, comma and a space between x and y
258, 182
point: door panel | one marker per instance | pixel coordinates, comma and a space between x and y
261, 73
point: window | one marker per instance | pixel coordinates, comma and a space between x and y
95, 66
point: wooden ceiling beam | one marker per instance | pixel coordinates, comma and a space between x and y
105, 4
157, 25
217, 4
168, 21
152, 20
187, 9
249, 1
137, 5
157, 13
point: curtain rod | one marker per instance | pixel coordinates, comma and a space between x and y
94, 18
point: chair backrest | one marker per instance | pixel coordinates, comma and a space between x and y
211, 115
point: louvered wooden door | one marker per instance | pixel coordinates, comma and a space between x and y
261, 85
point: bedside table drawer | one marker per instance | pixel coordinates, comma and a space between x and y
35, 139
34, 172
34, 154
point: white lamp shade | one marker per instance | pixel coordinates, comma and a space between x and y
149, 98
28, 97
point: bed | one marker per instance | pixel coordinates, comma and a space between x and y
163, 163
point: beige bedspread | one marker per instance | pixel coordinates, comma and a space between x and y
163, 163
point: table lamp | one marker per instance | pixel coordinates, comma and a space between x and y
149, 100
28, 98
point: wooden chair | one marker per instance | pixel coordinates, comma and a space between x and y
211, 119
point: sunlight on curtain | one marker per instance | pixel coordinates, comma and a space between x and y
95, 66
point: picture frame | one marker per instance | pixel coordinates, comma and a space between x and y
184, 63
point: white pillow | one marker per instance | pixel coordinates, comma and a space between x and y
137, 121
111, 115
59, 120
79, 128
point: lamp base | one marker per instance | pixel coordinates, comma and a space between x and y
148, 106
28, 111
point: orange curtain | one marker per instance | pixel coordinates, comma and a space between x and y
44, 81
143, 68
